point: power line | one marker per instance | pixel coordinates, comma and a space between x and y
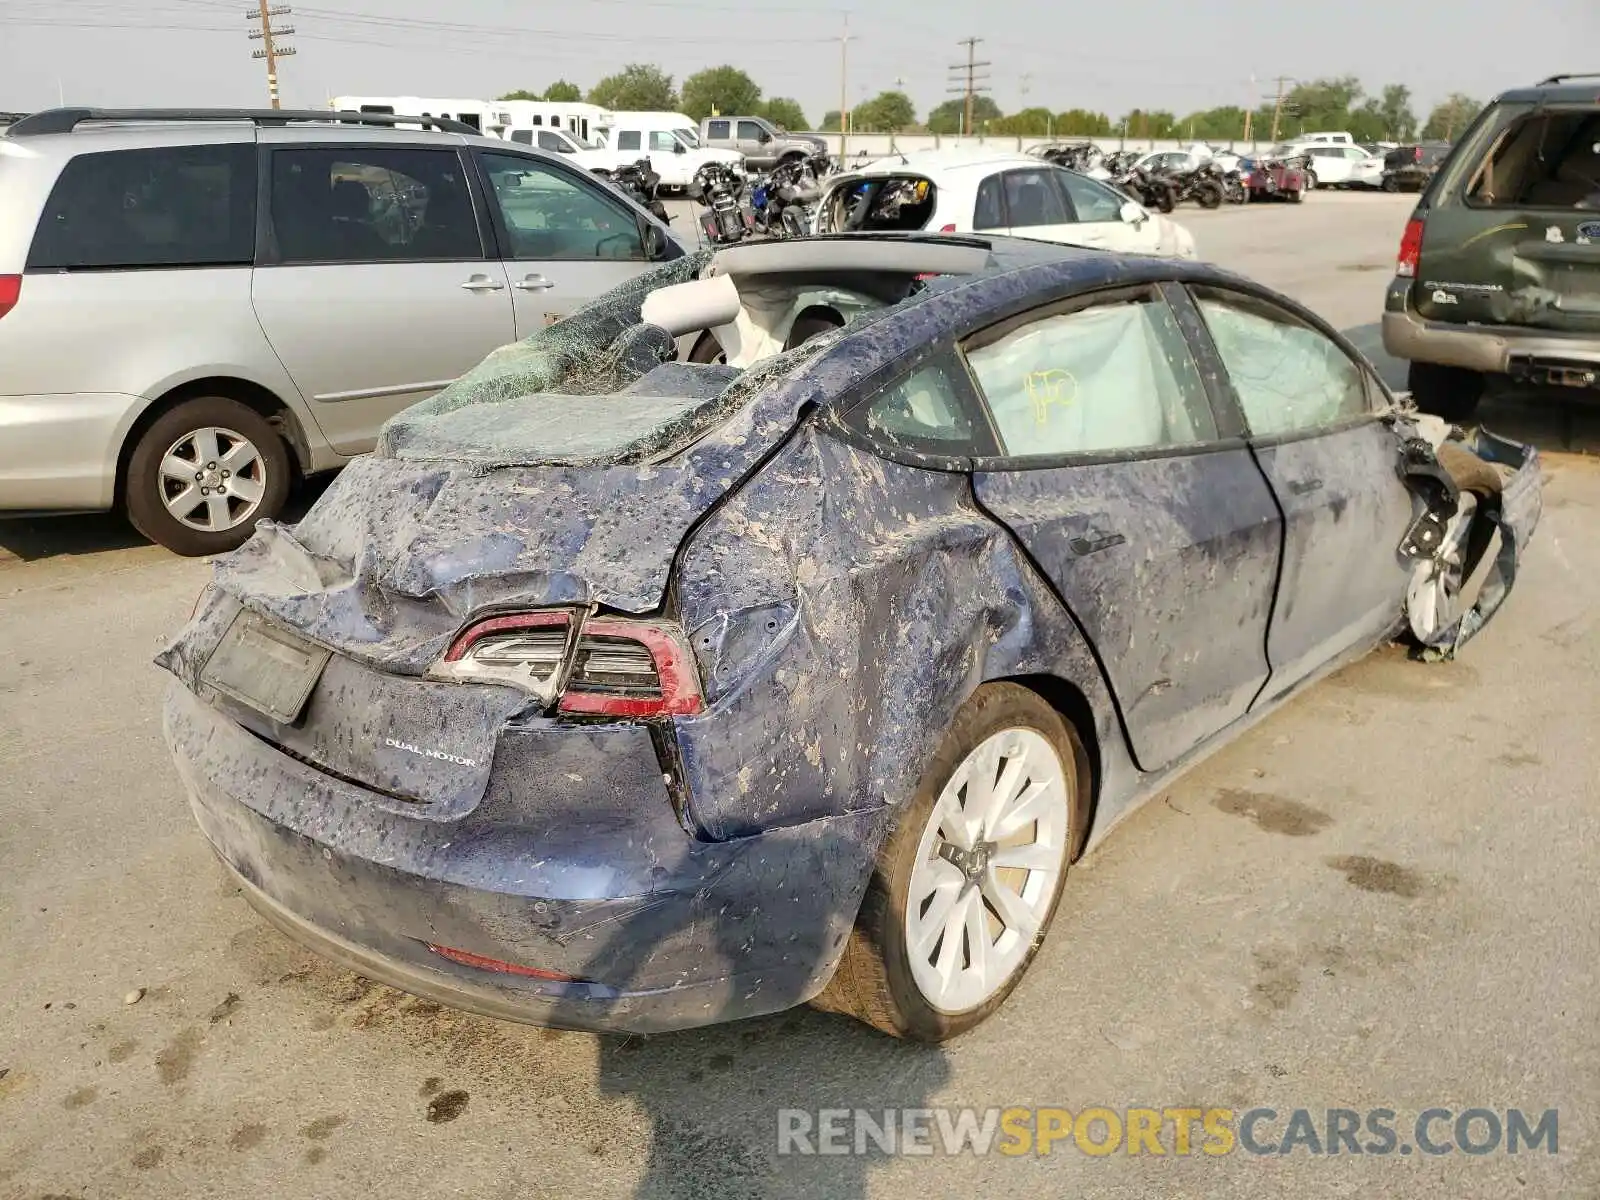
270, 50
975, 83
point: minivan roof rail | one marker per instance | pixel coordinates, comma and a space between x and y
65, 120
1570, 75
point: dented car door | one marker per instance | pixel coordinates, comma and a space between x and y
1154, 526
1333, 465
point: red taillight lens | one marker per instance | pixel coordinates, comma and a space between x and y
630, 669
1416, 154
1410, 249
615, 667
10, 292
947, 229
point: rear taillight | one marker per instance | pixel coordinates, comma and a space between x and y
1410, 249
10, 292
947, 229
1416, 154
614, 667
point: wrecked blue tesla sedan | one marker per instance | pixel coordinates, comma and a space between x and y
622, 692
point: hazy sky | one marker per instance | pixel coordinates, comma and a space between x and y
1109, 55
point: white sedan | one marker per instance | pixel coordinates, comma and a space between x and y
962, 191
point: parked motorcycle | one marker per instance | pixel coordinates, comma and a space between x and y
718, 189
1203, 185
784, 200
1153, 189
640, 184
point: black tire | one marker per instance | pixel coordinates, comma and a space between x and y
811, 325
1391, 184
1168, 199
143, 487
707, 350
1311, 181
1449, 392
1209, 195
1297, 196
873, 982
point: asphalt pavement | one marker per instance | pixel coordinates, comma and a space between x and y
1382, 897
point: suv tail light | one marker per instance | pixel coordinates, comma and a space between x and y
1410, 249
1416, 154
10, 292
603, 666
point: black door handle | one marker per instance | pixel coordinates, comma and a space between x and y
1304, 487
1095, 541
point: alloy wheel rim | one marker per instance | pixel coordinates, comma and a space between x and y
988, 867
212, 479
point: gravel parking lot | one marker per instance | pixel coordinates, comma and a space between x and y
1381, 897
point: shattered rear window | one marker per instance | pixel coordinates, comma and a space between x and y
599, 387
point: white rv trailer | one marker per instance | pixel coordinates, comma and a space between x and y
511, 120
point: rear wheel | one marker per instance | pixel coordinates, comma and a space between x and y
966, 885
1311, 181
203, 474
1209, 194
1391, 184
1449, 392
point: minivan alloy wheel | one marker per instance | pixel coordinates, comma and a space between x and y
987, 869
212, 479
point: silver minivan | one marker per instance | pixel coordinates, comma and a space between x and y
198, 306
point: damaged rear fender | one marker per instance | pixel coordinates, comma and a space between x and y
841, 609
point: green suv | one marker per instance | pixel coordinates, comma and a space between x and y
1499, 269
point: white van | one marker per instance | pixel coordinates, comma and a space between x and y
669, 141
1327, 139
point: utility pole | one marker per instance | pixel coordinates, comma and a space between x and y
974, 82
270, 50
1277, 107
844, 87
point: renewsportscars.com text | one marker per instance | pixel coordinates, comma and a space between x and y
1180, 1131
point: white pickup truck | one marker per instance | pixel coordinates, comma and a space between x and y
674, 154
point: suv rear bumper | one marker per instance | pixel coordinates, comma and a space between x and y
1494, 350
59, 452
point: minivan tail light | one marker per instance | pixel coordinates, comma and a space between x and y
947, 229
1410, 249
10, 292
615, 667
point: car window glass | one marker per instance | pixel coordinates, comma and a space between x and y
718, 130
661, 139
922, 411
550, 215
1288, 376
173, 206
552, 141
989, 212
749, 131
371, 204
1092, 201
630, 139
1032, 200
1118, 376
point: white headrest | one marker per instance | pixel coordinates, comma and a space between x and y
686, 307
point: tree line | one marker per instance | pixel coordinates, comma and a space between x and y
1318, 104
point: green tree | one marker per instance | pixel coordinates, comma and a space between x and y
948, 117
1214, 124
830, 121
1156, 124
1030, 122
887, 112
559, 92
638, 87
1449, 118
1081, 122
785, 113
722, 89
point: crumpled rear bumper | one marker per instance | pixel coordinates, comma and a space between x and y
655, 929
